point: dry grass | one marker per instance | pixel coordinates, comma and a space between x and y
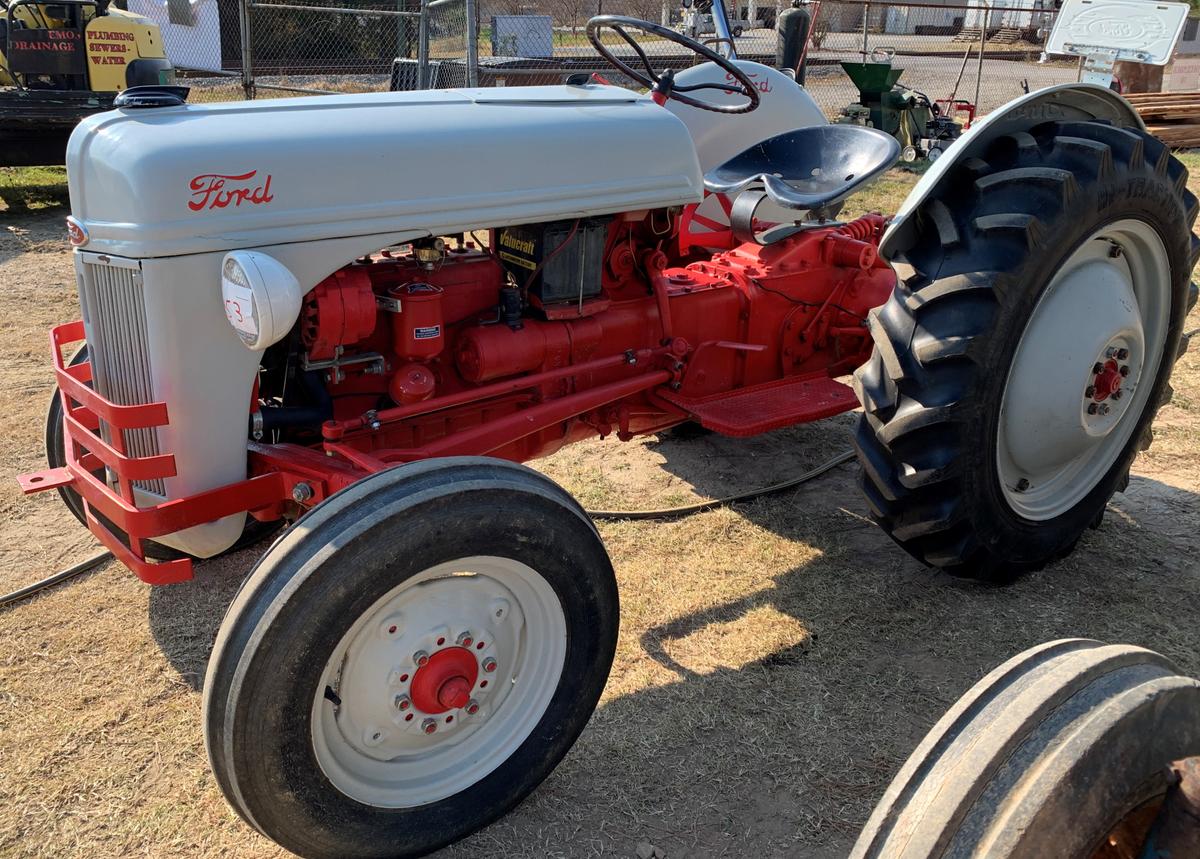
777, 661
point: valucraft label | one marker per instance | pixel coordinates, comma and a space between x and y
516, 260
508, 240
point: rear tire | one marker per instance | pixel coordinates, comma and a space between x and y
319, 724
996, 236
1053, 751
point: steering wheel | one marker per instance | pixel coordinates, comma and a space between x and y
662, 84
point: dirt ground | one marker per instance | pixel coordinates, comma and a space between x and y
777, 660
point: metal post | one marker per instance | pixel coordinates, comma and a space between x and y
471, 12
721, 27
247, 54
401, 31
423, 47
866, 17
987, 15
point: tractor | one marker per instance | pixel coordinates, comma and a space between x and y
368, 346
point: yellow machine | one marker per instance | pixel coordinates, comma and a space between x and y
63, 60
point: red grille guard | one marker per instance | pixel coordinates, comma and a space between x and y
87, 452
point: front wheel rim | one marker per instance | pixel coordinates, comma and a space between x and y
439, 682
1084, 369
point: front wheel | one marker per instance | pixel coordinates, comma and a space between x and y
411, 660
1027, 346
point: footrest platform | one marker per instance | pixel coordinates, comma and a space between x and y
769, 406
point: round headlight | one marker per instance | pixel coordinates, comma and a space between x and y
262, 298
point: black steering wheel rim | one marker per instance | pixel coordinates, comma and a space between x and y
741, 83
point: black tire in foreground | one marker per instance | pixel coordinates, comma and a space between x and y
56, 457
990, 240
1048, 755
316, 674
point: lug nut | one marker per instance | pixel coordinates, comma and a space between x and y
472, 707
429, 725
1122, 354
1089, 391
489, 665
420, 658
301, 492
464, 639
1093, 408
1022, 485
1124, 370
1115, 251
1096, 368
1104, 408
402, 703
1116, 395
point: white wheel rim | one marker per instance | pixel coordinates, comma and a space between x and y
1063, 426
370, 738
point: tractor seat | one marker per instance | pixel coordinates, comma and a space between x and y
810, 168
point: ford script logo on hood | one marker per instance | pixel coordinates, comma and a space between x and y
221, 190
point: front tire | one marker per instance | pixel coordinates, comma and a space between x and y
990, 440
411, 660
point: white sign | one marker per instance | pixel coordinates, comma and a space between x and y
522, 36
1140, 31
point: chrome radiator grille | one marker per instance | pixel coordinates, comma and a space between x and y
111, 295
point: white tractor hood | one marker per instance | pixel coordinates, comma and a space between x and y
156, 182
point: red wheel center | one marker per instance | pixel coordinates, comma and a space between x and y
1107, 381
445, 681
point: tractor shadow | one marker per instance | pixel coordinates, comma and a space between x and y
769, 723
714, 741
184, 618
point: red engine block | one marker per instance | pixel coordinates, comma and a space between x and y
418, 352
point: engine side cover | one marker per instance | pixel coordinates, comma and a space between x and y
196, 178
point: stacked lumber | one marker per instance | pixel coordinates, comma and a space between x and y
1172, 117
1006, 36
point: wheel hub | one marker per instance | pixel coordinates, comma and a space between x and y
440, 680
1107, 382
445, 681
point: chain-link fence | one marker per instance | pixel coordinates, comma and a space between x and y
983, 53
233, 49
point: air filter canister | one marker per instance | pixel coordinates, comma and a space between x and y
417, 326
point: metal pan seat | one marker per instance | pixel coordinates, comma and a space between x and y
810, 168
